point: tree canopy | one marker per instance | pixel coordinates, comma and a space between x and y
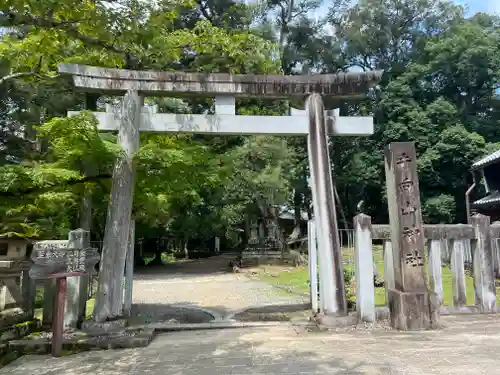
439, 89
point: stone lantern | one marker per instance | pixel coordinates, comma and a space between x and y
14, 279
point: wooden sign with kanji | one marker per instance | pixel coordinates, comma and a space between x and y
51, 261
54, 260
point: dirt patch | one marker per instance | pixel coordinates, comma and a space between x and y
153, 313
275, 313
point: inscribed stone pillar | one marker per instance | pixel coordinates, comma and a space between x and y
77, 286
109, 301
411, 304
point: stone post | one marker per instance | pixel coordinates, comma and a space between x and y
458, 273
313, 264
388, 269
496, 256
49, 300
365, 289
77, 286
410, 302
28, 290
484, 276
129, 271
436, 269
49, 287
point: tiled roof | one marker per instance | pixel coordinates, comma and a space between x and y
492, 198
491, 158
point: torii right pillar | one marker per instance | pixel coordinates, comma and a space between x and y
412, 305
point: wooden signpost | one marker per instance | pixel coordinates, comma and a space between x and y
57, 262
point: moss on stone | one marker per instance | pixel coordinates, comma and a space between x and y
26, 323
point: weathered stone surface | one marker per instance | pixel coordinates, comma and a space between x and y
458, 273
332, 295
13, 316
220, 124
109, 301
462, 347
435, 269
117, 340
484, 276
93, 327
409, 301
129, 271
365, 291
77, 292
175, 83
19, 330
413, 310
437, 231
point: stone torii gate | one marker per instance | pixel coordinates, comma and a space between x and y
132, 118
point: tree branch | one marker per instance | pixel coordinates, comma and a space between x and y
33, 72
70, 182
67, 26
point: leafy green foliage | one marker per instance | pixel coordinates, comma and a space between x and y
439, 90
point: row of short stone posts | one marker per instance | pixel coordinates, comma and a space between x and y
483, 274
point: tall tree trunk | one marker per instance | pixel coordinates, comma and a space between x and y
159, 251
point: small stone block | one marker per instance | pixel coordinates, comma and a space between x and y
332, 321
89, 326
19, 330
13, 316
413, 310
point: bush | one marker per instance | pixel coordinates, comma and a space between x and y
350, 295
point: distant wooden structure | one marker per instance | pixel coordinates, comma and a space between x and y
485, 171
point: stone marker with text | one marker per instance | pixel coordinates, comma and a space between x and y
411, 304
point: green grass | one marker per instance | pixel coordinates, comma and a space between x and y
297, 279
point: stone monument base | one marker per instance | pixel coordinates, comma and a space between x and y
411, 311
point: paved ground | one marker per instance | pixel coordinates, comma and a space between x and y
467, 345
205, 283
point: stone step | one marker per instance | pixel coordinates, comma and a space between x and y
78, 341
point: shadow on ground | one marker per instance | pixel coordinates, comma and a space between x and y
145, 313
209, 353
270, 313
465, 345
195, 267
189, 312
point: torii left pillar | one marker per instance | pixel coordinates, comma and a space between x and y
109, 299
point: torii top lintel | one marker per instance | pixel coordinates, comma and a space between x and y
107, 80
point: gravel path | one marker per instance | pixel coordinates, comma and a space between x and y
207, 284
